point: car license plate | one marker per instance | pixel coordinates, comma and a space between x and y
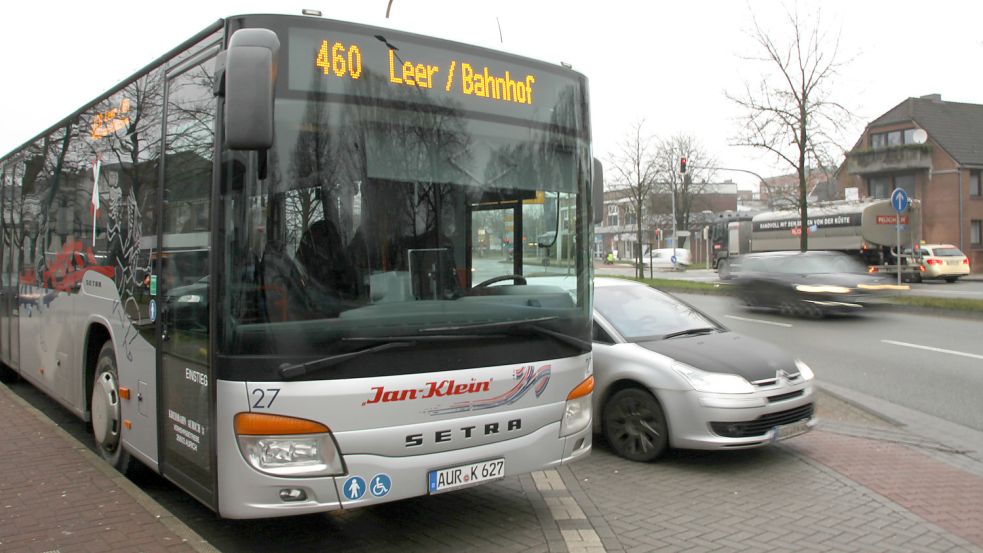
465, 475
952, 262
787, 431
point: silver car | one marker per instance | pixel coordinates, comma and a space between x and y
668, 375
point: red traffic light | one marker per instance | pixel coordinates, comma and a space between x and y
682, 165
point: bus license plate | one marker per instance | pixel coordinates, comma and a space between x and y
786, 431
465, 475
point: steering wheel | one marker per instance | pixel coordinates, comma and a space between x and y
518, 279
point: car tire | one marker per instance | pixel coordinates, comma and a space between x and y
723, 269
951, 279
107, 419
635, 426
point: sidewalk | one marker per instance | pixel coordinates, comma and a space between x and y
57, 496
886, 479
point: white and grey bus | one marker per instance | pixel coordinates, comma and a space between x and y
291, 266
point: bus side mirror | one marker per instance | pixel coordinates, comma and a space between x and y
249, 79
597, 192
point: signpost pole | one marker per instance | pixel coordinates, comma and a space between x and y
899, 201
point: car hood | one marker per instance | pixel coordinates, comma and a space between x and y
726, 352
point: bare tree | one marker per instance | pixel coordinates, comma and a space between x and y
633, 165
790, 112
672, 187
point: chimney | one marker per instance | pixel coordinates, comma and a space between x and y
932, 97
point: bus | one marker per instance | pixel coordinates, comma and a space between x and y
291, 266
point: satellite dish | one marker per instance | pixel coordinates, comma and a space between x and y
919, 136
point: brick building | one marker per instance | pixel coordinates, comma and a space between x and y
934, 150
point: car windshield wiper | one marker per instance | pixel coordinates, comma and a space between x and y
690, 332
300, 369
513, 326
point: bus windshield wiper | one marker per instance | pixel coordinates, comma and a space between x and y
690, 332
300, 369
522, 324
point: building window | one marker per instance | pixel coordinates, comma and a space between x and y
974, 184
880, 187
905, 181
976, 233
892, 138
612, 215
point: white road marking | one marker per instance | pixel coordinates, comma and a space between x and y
761, 321
930, 348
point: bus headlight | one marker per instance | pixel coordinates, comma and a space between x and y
577, 410
287, 446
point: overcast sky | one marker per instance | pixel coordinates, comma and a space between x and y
667, 62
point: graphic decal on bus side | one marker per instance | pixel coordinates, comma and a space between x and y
526, 377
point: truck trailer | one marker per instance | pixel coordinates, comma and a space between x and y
866, 229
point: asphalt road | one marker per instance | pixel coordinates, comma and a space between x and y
933, 364
966, 288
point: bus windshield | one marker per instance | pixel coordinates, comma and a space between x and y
405, 218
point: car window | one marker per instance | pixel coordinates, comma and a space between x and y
639, 312
946, 252
599, 335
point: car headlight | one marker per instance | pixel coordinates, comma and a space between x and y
717, 383
287, 446
189, 298
804, 370
822, 289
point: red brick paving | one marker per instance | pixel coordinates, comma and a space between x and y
52, 498
932, 489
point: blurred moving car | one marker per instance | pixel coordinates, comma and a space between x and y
661, 258
811, 283
942, 261
669, 376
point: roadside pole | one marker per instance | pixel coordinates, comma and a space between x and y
899, 200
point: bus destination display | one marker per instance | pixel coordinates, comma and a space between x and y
391, 68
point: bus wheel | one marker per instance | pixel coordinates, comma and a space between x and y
107, 421
635, 426
7, 375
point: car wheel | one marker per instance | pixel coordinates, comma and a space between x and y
107, 420
635, 426
951, 279
723, 269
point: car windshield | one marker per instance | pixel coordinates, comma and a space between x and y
640, 313
948, 252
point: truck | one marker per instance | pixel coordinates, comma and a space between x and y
865, 229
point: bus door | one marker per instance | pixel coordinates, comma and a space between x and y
185, 385
496, 240
10, 269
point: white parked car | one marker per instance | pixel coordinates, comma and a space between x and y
943, 261
662, 258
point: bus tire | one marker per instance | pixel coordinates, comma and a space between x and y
107, 419
8, 375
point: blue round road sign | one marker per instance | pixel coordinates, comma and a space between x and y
899, 199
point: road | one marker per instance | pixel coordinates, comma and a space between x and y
933, 364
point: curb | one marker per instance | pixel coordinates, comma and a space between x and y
158, 511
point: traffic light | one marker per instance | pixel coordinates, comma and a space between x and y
682, 165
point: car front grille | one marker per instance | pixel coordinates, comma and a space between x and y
783, 397
762, 424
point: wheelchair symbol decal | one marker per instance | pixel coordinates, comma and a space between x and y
380, 485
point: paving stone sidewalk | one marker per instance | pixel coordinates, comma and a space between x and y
56, 496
